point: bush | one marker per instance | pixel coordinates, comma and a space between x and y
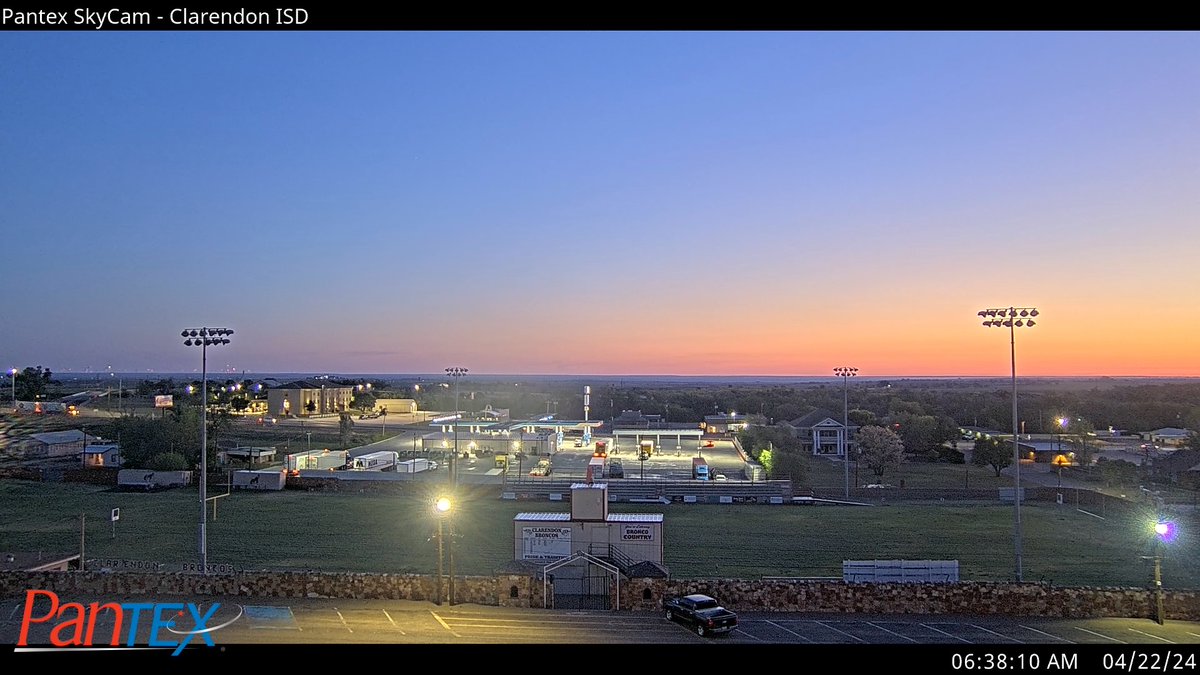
167, 461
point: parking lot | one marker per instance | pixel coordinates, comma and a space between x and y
333, 621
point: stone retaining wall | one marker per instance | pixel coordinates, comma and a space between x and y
636, 594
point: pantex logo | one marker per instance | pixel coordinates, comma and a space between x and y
169, 625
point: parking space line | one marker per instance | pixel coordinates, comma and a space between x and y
889, 631
1100, 635
944, 633
343, 620
263, 612
1153, 636
389, 617
1046, 634
13, 612
789, 630
849, 635
1193, 634
444, 624
749, 635
1006, 637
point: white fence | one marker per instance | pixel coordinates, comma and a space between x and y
900, 571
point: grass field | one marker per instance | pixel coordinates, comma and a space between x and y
392, 533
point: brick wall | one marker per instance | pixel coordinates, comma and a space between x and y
637, 594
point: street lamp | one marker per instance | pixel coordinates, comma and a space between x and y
846, 372
1013, 318
204, 338
441, 510
457, 373
13, 373
1165, 531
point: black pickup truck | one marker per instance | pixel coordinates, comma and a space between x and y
704, 614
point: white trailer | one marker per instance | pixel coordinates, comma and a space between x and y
141, 479
384, 460
259, 480
414, 465
317, 460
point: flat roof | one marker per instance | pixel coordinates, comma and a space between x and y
557, 517
635, 518
612, 517
657, 431
57, 437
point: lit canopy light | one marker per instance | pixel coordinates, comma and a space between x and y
1165, 530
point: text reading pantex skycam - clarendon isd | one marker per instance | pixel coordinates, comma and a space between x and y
181, 16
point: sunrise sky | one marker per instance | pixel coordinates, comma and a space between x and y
721, 203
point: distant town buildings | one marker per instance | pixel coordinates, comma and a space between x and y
304, 398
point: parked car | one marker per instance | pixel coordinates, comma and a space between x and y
615, 470
703, 613
719, 476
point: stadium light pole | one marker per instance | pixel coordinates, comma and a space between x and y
457, 373
846, 372
1013, 318
204, 338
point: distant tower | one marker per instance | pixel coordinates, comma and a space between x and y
587, 405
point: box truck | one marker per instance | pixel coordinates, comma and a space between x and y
699, 468
415, 465
384, 460
259, 480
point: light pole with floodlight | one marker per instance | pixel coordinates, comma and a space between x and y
1165, 532
441, 511
204, 338
1013, 318
846, 372
457, 373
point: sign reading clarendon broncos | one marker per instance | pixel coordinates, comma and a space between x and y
545, 543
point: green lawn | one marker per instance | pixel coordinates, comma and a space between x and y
392, 533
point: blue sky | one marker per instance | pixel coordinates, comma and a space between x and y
689, 203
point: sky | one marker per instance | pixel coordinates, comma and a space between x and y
687, 203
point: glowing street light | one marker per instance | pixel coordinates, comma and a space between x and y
13, 373
1165, 533
441, 509
846, 372
1013, 318
204, 338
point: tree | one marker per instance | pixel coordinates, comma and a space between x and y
363, 400
991, 452
767, 459
880, 448
788, 465
1081, 432
311, 406
239, 403
861, 418
1117, 472
167, 461
31, 383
